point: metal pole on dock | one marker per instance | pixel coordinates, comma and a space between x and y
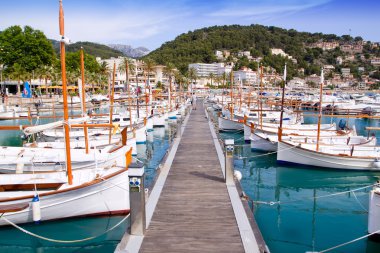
137, 199
229, 161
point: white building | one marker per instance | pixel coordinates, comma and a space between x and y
346, 72
219, 55
246, 76
204, 69
138, 75
296, 83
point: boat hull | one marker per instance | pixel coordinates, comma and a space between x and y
288, 154
106, 197
229, 125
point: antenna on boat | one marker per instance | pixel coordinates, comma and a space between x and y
64, 93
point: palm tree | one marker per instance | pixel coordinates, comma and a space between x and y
44, 72
169, 71
19, 73
126, 67
149, 65
105, 72
211, 76
193, 76
224, 77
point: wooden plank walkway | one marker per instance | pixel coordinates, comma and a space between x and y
194, 212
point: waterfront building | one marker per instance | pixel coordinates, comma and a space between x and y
138, 75
246, 76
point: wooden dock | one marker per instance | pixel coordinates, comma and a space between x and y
195, 211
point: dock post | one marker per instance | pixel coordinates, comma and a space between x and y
229, 161
137, 199
179, 128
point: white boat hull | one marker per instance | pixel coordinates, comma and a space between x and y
229, 125
159, 120
105, 197
289, 154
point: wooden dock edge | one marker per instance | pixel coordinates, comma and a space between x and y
250, 233
132, 243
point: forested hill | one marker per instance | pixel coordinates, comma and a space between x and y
200, 45
97, 50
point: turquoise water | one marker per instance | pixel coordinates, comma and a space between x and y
303, 221
13, 240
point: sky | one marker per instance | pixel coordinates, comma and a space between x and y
150, 23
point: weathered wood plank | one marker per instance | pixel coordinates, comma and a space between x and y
194, 213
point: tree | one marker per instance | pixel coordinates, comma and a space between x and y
73, 62
211, 76
19, 73
169, 71
193, 76
128, 68
149, 65
27, 47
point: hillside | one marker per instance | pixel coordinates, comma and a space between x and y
200, 46
97, 50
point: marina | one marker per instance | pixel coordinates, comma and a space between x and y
230, 138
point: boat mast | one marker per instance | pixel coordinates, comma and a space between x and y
64, 93
112, 92
83, 98
170, 92
261, 96
320, 109
282, 107
128, 92
232, 95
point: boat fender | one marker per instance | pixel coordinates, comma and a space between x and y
19, 168
238, 175
376, 163
36, 209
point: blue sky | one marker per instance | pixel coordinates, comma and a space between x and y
150, 23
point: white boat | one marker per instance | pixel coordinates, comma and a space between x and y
159, 120
346, 157
225, 124
36, 159
93, 192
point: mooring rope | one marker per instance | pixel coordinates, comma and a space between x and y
269, 153
271, 203
62, 241
346, 243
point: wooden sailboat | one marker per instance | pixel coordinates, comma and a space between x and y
348, 157
92, 191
